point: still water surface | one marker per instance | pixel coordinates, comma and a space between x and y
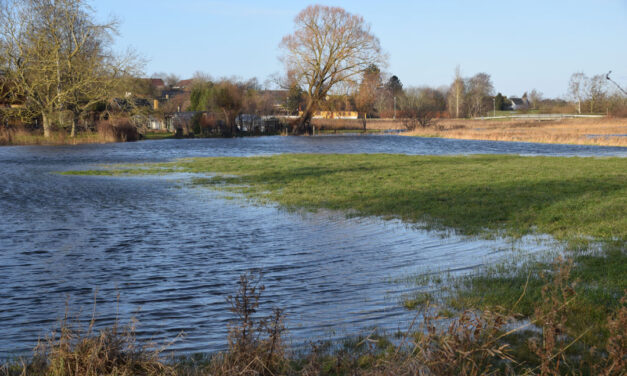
173, 253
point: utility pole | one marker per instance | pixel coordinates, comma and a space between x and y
607, 76
494, 104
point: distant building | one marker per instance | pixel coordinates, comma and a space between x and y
184, 85
157, 83
156, 123
518, 104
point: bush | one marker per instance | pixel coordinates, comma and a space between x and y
255, 344
117, 130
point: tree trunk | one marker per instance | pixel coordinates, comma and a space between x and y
304, 125
228, 126
363, 121
73, 131
46, 124
456, 103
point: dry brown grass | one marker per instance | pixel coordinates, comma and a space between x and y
597, 131
74, 351
24, 137
356, 124
119, 130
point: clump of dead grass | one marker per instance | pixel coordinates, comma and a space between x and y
72, 350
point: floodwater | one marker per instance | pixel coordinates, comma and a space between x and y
172, 253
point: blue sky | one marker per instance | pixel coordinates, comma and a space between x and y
521, 44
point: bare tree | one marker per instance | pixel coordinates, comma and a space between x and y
229, 99
456, 94
171, 79
56, 55
535, 97
479, 91
421, 106
366, 96
329, 46
595, 91
576, 88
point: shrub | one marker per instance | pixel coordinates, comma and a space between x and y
117, 130
255, 344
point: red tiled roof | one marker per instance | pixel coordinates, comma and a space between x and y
184, 83
157, 82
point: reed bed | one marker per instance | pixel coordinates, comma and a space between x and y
597, 131
357, 124
119, 130
24, 137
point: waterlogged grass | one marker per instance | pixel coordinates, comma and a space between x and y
158, 135
474, 195
580, 201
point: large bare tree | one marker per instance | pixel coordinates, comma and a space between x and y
57, 56
329, 46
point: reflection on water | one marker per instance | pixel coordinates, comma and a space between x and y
173, 253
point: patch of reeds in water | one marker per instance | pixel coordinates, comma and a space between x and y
118, 130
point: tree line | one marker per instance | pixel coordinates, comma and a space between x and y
57, 63
57, 67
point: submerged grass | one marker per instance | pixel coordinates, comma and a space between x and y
474, 195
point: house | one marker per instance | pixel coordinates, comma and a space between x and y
156, 123
518, 103
184, 85
157, 83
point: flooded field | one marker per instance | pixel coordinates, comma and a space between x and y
173, 253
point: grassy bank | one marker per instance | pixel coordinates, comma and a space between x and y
157, 135
579, 201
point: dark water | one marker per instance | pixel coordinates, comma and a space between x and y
173, 253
